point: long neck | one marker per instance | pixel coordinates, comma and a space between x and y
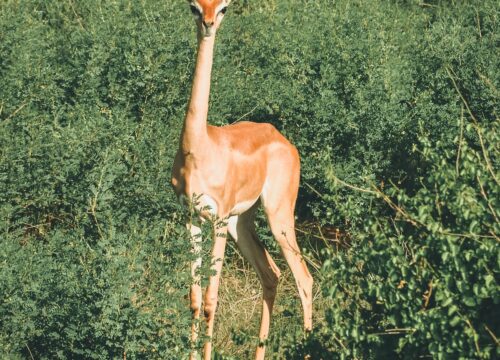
194, 132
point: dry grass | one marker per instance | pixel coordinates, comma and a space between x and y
239, 308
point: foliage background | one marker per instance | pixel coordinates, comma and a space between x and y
392, 104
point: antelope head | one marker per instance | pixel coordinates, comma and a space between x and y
208, 14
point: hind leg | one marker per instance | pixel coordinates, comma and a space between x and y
279, 204
282, 226
242, 229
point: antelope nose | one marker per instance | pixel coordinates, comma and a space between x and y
208, 23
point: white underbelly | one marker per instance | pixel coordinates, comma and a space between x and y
243, 206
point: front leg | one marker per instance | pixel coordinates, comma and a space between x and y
195, 293
211, 295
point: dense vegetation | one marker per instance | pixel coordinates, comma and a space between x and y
392, 104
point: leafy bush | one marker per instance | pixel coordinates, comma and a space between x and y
424, 280
93, 255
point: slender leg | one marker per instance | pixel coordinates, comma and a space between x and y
242, 229
278, 198
211, 295
283, 228
195, 291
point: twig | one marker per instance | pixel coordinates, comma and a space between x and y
313, 189
494, 235
93, 212
332, 176
489, 84
316, 236
407, 217
478, 20
417, 223
492, 335
15, 112
31, 355
78, 18
336, 240
397, 208
460, 140
423, 4
339, 341
395, 331
474, 337
248, 113
476, 126
302, 256
483, 192
428, 296
400, 330
94, 200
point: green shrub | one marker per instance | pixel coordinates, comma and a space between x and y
91, 259
93, 253
424, 280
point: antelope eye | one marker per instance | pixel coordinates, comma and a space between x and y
195, 10
223, 10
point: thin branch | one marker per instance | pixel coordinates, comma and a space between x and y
483, 192
31, 355
427, 296
407, 217
302, 256
467, 236
95, 199
311, 262
494, 236
417, 223
353, 187
397, 208
316, 236
396, 331
489, 84
244, 115
492, 335
15, 111
313, 189
475, 335
78, 18
478, 20
340, 342
460, 140
336, 240
423, 4
476, 126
